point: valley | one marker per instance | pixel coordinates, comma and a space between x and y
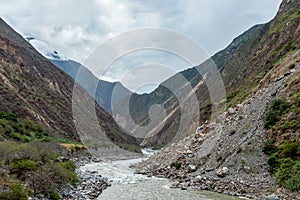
64, 136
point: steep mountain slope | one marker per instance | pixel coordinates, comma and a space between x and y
242, 65
103, 94
34, 88
253, 148
227, 155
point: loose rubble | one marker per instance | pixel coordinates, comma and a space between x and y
224, 155
91, 186
91, 182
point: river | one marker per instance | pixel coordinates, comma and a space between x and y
129, 186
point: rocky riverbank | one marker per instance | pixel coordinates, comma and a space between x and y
225, 155
127, 185
91, 182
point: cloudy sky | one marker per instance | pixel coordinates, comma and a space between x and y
75, 28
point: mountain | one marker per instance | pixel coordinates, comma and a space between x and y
104, 91
34, 88
252, 149
242, 65
140, 104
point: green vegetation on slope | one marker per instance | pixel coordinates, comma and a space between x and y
284, 160
274, 114
29, 160
286, 17
284, 164
24, 130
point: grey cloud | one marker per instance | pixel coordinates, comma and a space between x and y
74, 28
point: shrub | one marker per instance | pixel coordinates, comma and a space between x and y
8, 151
292, 66
273, 163
15, 191
47, 174
284, 162
69, 171
51, 176
298, 102
177, 165
5, 127
269, 147
290, 150
293, 183
288, 173
24, 165
68, 165
277, 108
54, 196
8, 116
239, 150
24, 131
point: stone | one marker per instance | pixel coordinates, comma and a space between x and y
192, 168
189, 152
198, 130
231, 111
222, 172
199, 177
239, 105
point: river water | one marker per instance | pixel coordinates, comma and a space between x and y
129, 186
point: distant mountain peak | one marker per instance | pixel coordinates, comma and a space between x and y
54, 55
44, 49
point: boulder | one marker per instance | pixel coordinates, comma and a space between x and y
231, 111
222, 172
192, 168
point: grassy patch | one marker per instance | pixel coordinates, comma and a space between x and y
283, 20
284, 162
25, 130
14, 191
275, 112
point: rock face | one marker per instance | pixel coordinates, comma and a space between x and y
226, 153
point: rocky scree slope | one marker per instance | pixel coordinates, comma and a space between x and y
226, 155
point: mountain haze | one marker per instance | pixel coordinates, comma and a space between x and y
103, 93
